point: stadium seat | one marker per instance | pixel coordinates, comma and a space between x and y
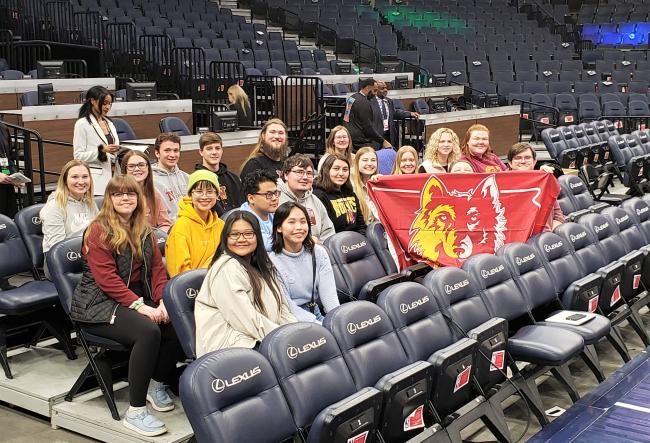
124, 130
425, 335
65, 264
578, 193
223, 405
376, 358
544, 345
175, 125
317, 383
179, 296
358, 272
536, 285
376, 235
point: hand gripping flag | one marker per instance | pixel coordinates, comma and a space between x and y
443, 219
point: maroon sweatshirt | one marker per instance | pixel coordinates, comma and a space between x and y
489, 162
104, 269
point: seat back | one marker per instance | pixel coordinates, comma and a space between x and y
560, 262
417, 319
124, 130
376, 235
577, 191
529, 273
584, 244
29, 224
29, 98
490, 274
565, 201
639, 210
13, 252
179, 296
607, 234
367, 341
553, 141
175, 125
425, 335
354, 260
226, 395
629, 231
65, 265
458, 298
310, 369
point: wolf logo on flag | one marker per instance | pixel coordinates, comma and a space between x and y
467, 222
444, 219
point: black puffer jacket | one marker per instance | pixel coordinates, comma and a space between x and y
92, 305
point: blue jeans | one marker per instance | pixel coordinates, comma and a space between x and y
317, 312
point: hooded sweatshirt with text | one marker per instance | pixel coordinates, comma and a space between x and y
172, 186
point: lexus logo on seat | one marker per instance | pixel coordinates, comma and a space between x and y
36, 220
354, 327
219, 385
293, 352
191, 292
72, 255
345, 248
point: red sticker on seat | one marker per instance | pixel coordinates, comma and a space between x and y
637, 281
616, 296
568, 119
544, 120
463, 378
593, 304
415, 420
361, 438
498, 360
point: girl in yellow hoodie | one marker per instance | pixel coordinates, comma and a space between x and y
197, 231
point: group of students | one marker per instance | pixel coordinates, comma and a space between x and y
266, 265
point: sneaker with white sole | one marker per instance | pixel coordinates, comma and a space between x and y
144, 424
160, 399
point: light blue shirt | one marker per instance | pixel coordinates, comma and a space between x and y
295, 272
265, 226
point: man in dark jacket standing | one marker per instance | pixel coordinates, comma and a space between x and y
230, 195
358, 117
385, 114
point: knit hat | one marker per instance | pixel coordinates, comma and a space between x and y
386, 161
202, 175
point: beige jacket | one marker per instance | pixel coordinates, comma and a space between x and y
224, 312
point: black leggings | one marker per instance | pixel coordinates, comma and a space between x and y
155, 349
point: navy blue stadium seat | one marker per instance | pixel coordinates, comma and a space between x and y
375, 357
317, 383
358, 271
124, 130
179, 296
377, 237
175, 125
227, 394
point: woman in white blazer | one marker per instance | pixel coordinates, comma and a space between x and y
95, 138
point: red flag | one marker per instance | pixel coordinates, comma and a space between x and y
444, 219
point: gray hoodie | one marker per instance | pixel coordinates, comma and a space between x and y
59, 224
172, 186
321, 225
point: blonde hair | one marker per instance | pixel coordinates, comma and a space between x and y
241, 98
400, 153
431, 151
358, 185
115, 232
475, 127
457, 162
258, 151
329, 144
62, 193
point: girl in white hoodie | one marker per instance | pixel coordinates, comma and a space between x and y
71, 207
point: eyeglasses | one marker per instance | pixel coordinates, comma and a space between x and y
341, 137
134, 166
269, 195
523, 159
130, 194
204, 193
248, 235
302, 173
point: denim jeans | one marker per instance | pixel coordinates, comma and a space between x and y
317, 312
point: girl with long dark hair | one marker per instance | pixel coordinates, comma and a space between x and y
240, 300
334, 188
95, 139
304, 267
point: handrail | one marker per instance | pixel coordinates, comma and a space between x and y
483, 94
419, 71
